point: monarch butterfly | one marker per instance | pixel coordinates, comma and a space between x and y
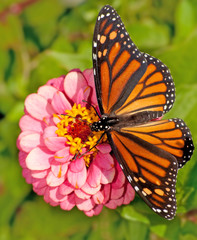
134, 88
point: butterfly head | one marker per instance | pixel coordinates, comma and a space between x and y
104, 124
101, 125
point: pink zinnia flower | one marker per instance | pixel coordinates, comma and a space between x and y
56, 128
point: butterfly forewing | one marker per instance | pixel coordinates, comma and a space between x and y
118, 64
154, 92
150, 170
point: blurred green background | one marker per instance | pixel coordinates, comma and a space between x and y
44, 39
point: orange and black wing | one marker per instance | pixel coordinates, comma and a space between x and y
171, 135
117, 63
150, 155
127, 81
155, 91
150, 170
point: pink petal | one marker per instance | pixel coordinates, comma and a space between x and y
47, 92
38, 159
56, 196
119, 180
57, 83
73, 82
66, 188
84, 205
63, 155
40, 191
22, 159
47, 197
59, 196
75, 70
90, 190
156, 119
117, 192
39, 174
107, 176
48, 121
38, 107
52, 141
60, 103
107, 192
94, 175
83, 94
30, 141
77, 165
56, 120
54, 181
112, 204
104, 161
104, 148
50, 132
88, 74
81, 194
27, 123
129, 194
53, 194
98, 197
39, 183
59, 169
21, 135
55, 144
77, 178
69, 203
95, 211
27, 175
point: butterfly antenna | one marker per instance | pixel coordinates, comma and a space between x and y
93, 108
78, 118
81, 148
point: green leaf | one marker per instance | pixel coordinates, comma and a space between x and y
6, 99
149, 35
62, 44
131, 214
189, 199
41, 28
181, 59
12, 185
185, 21
70, 61
5, 232
173, 230
16, 112
136, 230
159, 229
41, 221
188, 237
189, 228
11, 32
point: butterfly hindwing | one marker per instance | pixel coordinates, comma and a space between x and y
170, 135
150, 170
118, 64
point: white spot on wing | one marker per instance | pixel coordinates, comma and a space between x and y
136, 188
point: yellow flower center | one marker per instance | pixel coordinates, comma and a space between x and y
75, 127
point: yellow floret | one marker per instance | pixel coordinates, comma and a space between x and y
69, 121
